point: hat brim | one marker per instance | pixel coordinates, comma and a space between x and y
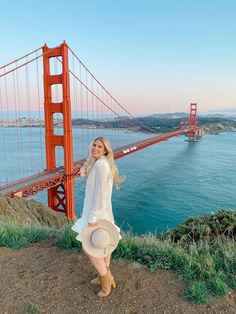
114, 239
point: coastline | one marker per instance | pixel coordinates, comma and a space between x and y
213, 129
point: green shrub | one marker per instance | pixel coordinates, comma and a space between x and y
32, 309
126, 249
139, 249
209, 227
217, 285
197, 293
231, 280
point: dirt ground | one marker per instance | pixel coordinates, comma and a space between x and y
55, 281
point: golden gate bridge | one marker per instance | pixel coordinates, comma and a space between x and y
56, 83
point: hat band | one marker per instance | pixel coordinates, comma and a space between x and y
107, 247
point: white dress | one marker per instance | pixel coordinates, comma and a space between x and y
97, 200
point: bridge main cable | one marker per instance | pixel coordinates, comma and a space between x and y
28, 54
23, 64
140, 123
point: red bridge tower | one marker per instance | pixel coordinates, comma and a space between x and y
192, 136
61, 197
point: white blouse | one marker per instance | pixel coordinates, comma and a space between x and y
97, 200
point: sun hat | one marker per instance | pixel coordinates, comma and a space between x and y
101, 240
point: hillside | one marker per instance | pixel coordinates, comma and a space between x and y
217, 128
52, 276
212, 123
29, 212
161, 123
44, 279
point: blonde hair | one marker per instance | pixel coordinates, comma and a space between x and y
90, 161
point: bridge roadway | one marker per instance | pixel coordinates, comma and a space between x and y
46, 180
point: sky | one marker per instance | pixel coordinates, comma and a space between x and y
152, 56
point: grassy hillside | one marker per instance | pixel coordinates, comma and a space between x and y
201, 251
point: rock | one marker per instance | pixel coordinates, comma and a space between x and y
29, 212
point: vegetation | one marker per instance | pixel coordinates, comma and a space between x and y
32, 309
66, 239
197, 293
16, 236
212, 124
202, 251
221, 224
161, 123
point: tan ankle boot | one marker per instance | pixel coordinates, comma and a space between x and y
107, 282
113, 283
96, 281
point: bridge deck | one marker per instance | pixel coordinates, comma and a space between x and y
46, 180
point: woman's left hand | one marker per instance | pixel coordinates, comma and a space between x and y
93, 224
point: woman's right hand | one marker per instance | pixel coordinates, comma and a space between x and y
92, 225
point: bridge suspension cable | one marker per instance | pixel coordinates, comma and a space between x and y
135, 119
21, 104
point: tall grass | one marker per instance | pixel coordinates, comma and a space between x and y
66, 239
207, 269
197, 292
16, 236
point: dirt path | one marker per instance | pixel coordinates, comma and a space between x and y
57, 282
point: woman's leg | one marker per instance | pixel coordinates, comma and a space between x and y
98, 263
107, 260
105, 278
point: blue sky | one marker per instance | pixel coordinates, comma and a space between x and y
153, 56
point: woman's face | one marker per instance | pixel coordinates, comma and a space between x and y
98, 149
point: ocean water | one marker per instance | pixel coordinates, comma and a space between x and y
171, 181
168, 182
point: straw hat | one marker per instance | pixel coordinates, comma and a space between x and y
101, 240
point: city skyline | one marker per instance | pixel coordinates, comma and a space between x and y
152, 56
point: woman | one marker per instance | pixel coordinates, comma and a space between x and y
102, 172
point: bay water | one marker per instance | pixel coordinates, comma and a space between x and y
168, 182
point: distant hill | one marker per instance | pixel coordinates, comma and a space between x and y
226, 113
160, 123
175, 115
